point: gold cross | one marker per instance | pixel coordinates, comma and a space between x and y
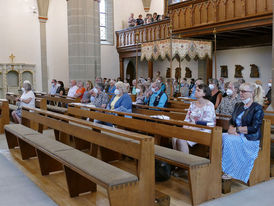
11, 57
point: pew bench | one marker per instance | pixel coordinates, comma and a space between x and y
203, 173
5, 116
139, 147
83, 172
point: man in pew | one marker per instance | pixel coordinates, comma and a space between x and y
54, 87
156, 97
73, 88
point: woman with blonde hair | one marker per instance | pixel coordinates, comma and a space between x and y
241, 143
258, 94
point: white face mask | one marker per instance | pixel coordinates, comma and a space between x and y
137, 91
229, 92
58, 85
153, 90
95, 90
245, 101
23, 89
211, 86
116, 92
269, 84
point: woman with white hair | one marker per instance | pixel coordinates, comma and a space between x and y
121, 101
27, 99
241, 143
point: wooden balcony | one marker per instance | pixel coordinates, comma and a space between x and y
197, 18
201, 16
149, 32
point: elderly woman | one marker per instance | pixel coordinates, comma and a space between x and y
242, 142
228, 102
121, 101
26, 100
112, 87
140, 91
100, 97
216, 94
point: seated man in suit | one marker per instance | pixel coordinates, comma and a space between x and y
156, 97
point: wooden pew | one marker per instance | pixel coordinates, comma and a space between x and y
59, 103
270, 115
203, 173
223, 120
83, 172
5, 116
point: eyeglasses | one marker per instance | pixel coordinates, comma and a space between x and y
244, 91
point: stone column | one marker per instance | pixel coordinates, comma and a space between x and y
43, 6
84, 40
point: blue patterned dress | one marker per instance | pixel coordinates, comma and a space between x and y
239, 154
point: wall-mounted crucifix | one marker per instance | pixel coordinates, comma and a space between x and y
11, 57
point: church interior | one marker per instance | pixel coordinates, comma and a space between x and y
136, 103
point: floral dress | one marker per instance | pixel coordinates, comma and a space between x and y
205, 113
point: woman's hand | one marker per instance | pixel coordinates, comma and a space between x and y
243, 130
232, 130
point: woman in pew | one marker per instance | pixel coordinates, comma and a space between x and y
100, 97
201, 111
216, 94
87, 93
228, 102
61, 89
26, 100
121, 101
140, 91
241, 143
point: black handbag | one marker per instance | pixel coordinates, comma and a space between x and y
162, 171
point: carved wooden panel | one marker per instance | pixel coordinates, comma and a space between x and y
250, 7
188, 17
222, 10
230, 9
211, 12
203, 13
197, 14
261, 6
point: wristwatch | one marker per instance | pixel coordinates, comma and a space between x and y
237, 130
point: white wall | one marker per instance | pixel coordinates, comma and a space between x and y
57, 42
261, 56
20, 34
110, 67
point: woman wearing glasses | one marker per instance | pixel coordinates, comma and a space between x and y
241, 143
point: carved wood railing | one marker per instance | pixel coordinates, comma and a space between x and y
150, 32
197, 13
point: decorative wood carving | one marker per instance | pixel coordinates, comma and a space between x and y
254, 71
188, 73
238, 71
224, 71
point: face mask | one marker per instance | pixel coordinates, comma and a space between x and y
158, 81
52, 84
269, 84
153, 90
245, 101
211, 86
229, 92
137, 91
58, 85
23, 89
95, 90
116, 92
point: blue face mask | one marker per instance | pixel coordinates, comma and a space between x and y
153, 90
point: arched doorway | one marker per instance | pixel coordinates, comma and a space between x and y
130, 72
